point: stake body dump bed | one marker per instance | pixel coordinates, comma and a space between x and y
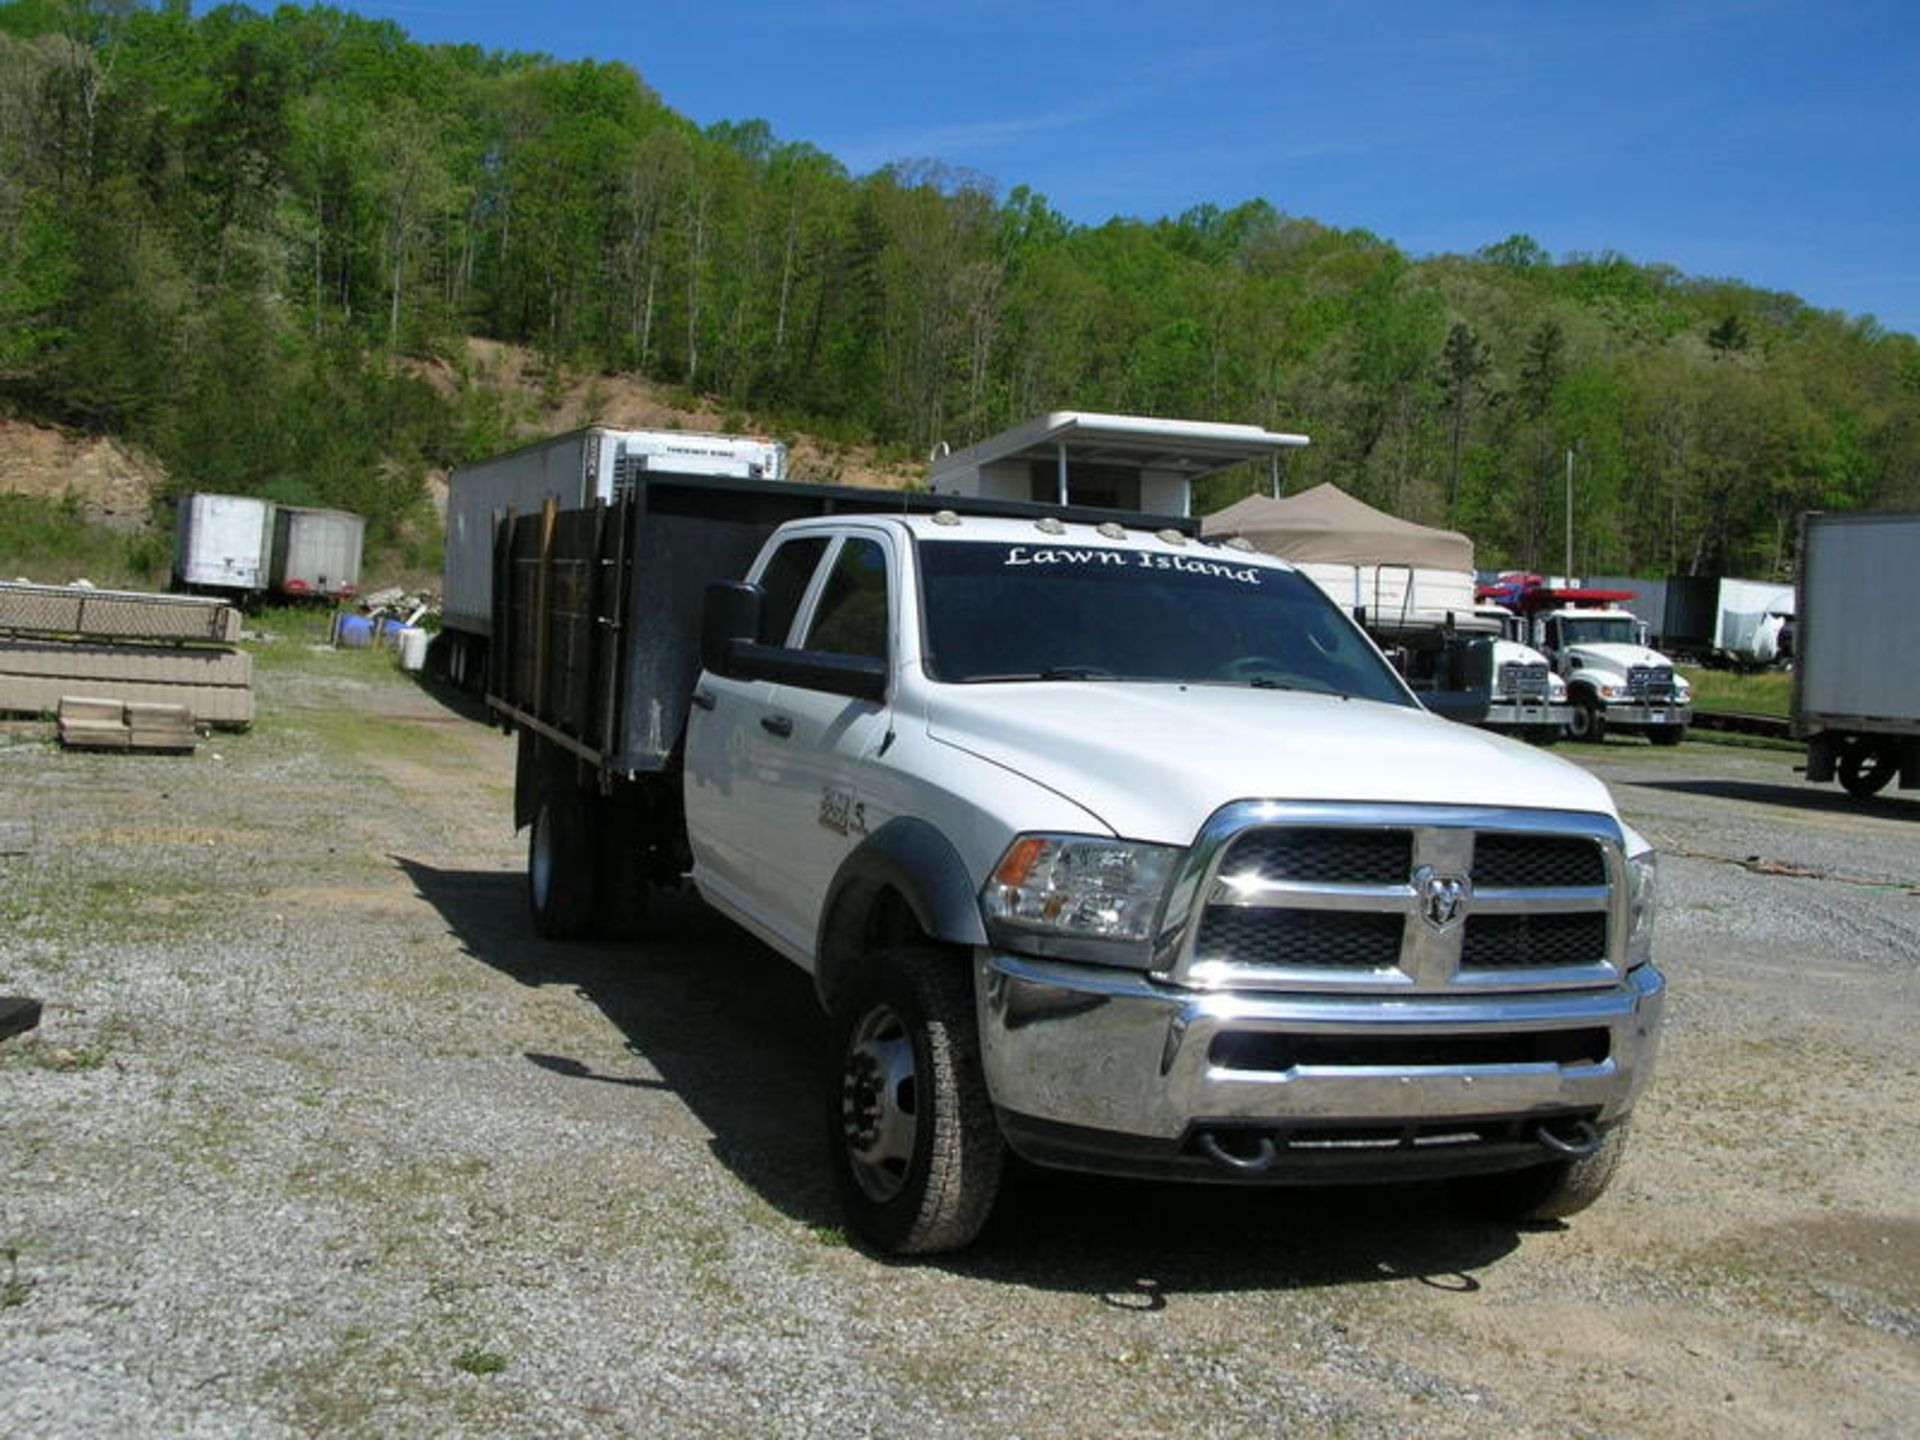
596, 611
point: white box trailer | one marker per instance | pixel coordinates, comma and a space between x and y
223, 544
316, 553
576, 469
1856, 678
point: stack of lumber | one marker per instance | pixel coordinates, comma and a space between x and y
87, 723
139, 649
29, 609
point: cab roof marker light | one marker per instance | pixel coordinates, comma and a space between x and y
1240, 542
1112, 530
945, 517
1047, 525
1171, 536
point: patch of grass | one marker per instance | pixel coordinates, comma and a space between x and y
1759, 692
33, 1053
475, 1360
54, 544
15, 1289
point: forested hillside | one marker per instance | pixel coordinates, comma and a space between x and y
237, 240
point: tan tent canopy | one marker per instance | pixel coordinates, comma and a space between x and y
1329, 526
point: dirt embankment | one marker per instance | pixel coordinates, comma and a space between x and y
114, 484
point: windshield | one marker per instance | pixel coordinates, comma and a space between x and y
1001, 611
1598, 629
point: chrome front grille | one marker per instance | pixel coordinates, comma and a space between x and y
1404, 898
1650, 682
1524, 682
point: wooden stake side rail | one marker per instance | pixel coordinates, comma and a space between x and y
596, 611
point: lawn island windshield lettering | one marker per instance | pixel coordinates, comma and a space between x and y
1103, 846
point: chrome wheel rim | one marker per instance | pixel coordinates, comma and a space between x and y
880, 1103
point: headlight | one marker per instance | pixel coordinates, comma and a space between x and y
1078, 895
1681, 689
1642, 878
1556, 688
1607, 692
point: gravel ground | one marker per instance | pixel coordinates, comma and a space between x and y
316, 1138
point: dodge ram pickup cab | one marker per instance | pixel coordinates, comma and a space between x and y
1104, 846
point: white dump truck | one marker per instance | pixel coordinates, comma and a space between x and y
1103, 845
1525, 697
1614, 680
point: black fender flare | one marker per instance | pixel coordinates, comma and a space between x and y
910, 858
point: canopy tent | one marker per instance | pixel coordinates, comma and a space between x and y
1328, 526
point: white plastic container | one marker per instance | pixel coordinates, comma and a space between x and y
412, 648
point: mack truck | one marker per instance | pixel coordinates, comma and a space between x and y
1104, 846
1524, 696
1614, 681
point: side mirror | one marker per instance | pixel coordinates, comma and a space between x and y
731, 612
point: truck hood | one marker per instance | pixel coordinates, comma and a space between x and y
1511, 652
1617, 659
1153, 761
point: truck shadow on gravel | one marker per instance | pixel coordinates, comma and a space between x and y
1801, 797
734, 1032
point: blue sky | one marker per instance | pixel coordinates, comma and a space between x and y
1771, 141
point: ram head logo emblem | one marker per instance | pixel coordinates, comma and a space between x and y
1442, 898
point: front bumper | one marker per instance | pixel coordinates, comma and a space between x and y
1106, 1070
1628, 712
1527, 714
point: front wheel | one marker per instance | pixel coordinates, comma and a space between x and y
1588, 721
916, 1152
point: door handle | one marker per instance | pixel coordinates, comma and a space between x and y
704, 699
781, 725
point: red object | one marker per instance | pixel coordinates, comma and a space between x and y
1529, 594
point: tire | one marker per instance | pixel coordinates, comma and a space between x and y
563, 867
1666, 734
1589, 722
1865, 767
1552, 1191
916, 1152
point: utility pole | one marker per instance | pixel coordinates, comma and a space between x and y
1566, 575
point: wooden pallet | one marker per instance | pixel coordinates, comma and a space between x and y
93, 723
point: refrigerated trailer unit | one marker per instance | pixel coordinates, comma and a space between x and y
575, 469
